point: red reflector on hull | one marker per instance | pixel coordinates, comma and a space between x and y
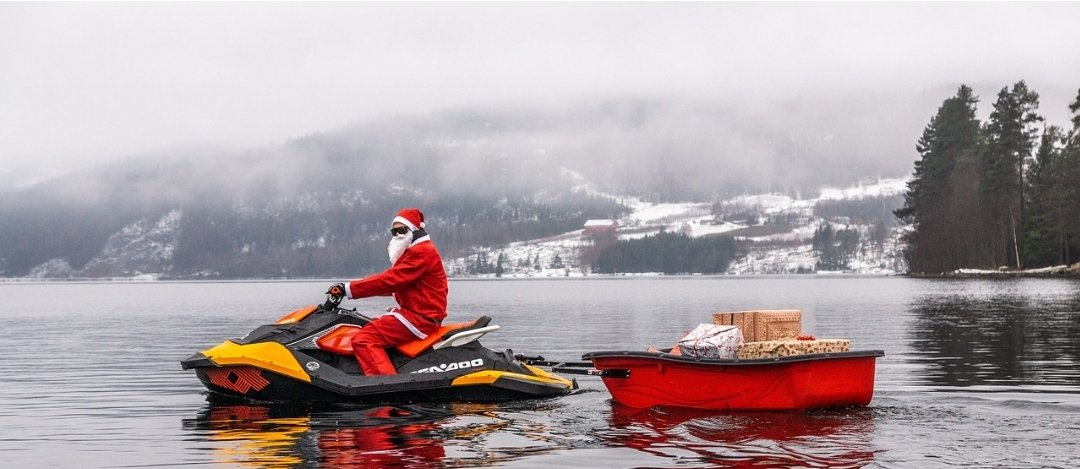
241, 379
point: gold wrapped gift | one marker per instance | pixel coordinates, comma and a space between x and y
786, 347
763, 325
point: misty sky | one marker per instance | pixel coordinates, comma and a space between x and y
82, 83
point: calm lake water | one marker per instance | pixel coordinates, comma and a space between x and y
976, 373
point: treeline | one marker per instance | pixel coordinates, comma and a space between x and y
346, 239
670, 253
872, 210
835, 247
1005, 192
333, 231
315, 206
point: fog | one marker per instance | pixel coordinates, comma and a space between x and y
83, 84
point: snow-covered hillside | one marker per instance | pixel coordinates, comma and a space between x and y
775, 232
141, 250
771, 247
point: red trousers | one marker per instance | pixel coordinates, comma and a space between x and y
370, 343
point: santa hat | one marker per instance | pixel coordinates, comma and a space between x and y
410, 217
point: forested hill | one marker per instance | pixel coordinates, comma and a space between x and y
993, 194
319, 205
242, 220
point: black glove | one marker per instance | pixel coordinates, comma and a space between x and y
336, 290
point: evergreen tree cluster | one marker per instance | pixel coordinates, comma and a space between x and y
866, 210
1001, 193
350, 239
670, 253
481, 265
835, 247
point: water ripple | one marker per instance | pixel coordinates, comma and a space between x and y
976, 374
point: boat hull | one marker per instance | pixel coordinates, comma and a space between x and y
793, 383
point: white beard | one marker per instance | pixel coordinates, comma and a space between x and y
398, 245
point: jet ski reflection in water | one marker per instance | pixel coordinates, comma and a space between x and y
307, 356
324, 435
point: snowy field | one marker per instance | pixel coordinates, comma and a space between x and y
787, 252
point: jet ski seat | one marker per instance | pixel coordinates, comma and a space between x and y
451, 335
339, 340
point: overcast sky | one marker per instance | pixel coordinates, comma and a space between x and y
82, 83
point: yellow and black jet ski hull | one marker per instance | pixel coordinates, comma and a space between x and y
271, 371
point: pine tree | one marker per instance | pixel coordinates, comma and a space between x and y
824, 242
1075, 108
1052, 227
1010, 137
952, 133
1042, 227
481, 264
1068, 189
499, 265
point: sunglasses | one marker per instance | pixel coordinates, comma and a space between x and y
399, 230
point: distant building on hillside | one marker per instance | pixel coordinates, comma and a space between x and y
601, 226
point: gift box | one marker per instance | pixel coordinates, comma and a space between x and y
711, 341
787, 347
763, 325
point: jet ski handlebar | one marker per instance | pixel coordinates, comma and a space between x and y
331, 303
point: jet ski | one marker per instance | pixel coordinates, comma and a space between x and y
306, 355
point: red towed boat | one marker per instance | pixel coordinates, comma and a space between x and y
796, 382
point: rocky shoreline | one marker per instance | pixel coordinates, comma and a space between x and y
1060, 271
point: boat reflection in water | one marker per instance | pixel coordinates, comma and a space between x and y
835, 438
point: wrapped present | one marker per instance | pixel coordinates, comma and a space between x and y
787, 347
711, 341
763, 325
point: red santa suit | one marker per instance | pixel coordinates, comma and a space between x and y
417, 281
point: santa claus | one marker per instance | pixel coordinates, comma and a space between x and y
417, 281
